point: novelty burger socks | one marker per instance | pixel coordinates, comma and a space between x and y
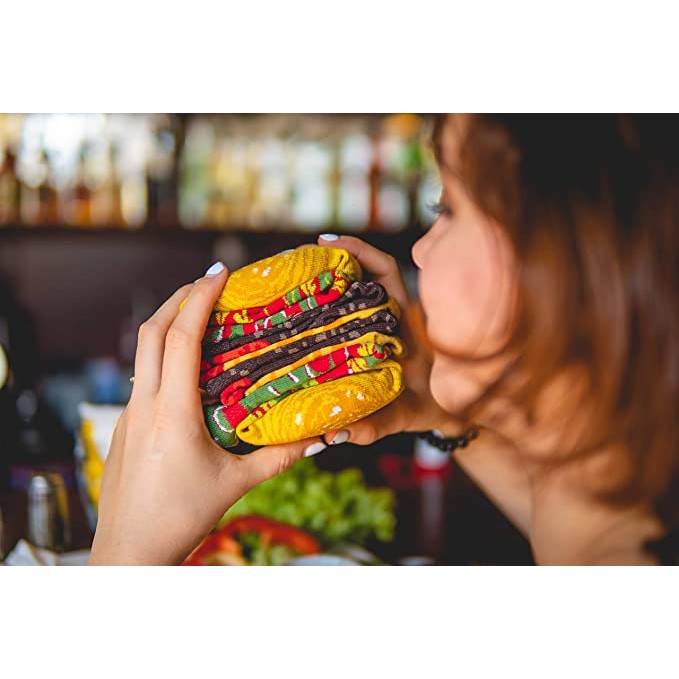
296, 346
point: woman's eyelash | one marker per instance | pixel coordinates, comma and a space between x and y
439, 208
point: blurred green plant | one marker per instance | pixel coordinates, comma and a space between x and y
335, 507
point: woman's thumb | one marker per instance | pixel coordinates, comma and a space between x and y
269, 461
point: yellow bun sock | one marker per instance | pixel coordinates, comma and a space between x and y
325, 407
261, 282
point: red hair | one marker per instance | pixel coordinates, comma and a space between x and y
591, 206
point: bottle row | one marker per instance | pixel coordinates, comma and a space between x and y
266, 172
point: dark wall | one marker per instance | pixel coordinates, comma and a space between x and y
82, 289
88, 290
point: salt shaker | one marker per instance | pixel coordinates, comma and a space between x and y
48, 520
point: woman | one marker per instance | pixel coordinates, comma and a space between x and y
549, 284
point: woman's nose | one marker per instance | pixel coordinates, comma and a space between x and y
418, 249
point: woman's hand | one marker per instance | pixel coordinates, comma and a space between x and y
166, 483
415, 409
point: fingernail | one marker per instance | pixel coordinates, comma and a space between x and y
216, 268
329, 236
340, 437
314, 449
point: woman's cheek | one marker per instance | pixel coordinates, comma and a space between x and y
465, 293
453, 309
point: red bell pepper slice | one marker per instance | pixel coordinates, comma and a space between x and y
270, 532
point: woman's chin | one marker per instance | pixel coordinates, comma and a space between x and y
451, 388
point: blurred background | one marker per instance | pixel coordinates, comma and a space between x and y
102, 216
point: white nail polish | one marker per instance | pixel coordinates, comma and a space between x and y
340, 437
216, 268
314, 449
329, 236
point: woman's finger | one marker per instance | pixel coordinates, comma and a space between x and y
385, 271
148, 360
181, 360
266, 462
381, 265
405, 414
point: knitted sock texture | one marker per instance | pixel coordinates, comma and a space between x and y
247, 321
349, 359
220, 377
245, 385
309, 313
329, 406
259, 347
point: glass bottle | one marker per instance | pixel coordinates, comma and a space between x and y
134, 154
47, 195
9, 188
161, 172
106, 195
10, 184
194, 175
39, 198
374, 173
393, 192
355, 165
78, 208
312, 191
270, 208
